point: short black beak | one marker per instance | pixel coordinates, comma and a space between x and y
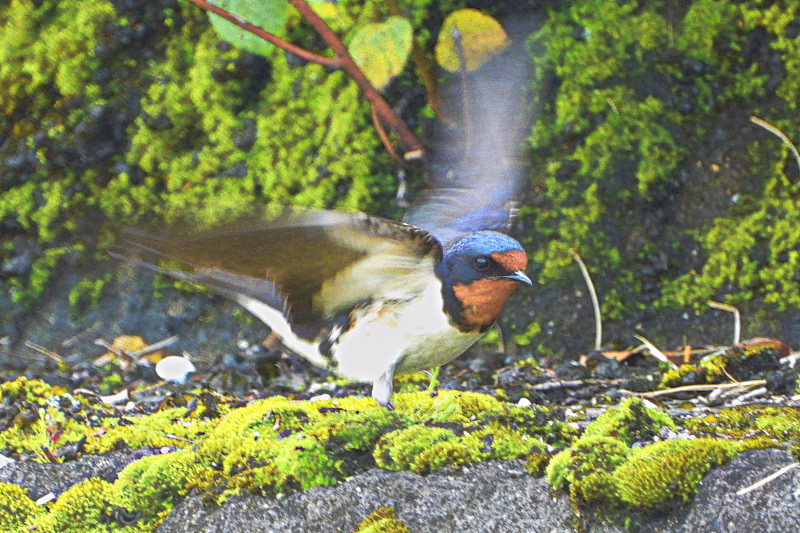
520, 276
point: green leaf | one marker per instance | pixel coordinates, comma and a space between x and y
482, 38
269, 15
328, 10
381, 49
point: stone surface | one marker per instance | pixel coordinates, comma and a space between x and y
493, 497
772, 508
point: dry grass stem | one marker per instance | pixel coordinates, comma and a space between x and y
779, 473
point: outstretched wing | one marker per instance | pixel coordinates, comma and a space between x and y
477, 169
306, 264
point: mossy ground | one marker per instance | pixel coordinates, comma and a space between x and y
634, 456
631, 457
269, 447
117, 108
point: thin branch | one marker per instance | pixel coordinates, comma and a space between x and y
654, 351
330, 62
387, 142
343, 60
598, 319
169, 341
414, 148
737, 319
703, 388
44, 351
772, 129
774, 475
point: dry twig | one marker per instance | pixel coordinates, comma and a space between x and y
598, 319
774, 130
700, 388
654, 351
759, 484
737, 320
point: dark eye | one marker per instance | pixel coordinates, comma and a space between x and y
481, 263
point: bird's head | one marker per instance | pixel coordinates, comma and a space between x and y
480, 272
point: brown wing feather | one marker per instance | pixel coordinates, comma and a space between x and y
316, 262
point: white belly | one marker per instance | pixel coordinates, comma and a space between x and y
412, 336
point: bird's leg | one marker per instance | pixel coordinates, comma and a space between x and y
382, 388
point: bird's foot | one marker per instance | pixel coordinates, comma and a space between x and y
382, 389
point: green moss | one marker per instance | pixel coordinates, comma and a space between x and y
670, 470
401, 449
415, 382
155, 483
631, 421
111, 383
48, 417
780, 424
91, 505
27, 390
494, 434
169, 427
450, 405
536, 464
630, 90
17, 510
603, 465
586, 467
115, 116
87, 292
271, 447
382, 520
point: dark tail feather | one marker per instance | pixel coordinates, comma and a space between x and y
220, 281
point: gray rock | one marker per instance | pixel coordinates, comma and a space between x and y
772, 508
43, 478
500, 497
492, 497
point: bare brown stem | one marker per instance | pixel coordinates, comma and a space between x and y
413, 148
387, 142
381, 108
330, 62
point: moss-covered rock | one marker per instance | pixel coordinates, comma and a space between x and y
631, 421
17, 509
91, 505
35, 416
779, 424
621, 460
277, 445
671, 470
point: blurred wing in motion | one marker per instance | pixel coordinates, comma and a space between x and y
477, 169
306, 264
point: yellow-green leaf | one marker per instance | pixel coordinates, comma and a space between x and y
269, 15
381, 49
328, 10
482, 38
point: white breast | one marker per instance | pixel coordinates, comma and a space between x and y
412, 335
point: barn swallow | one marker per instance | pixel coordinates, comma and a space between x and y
367, 297
362, 296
